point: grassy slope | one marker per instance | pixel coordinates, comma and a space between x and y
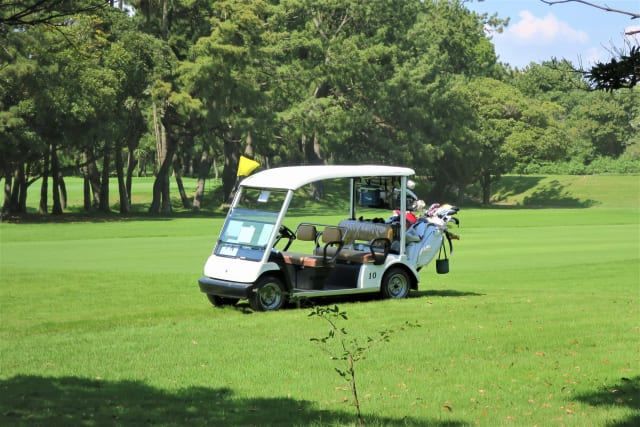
570, 191
102, 323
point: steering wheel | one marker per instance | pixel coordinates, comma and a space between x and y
287, 233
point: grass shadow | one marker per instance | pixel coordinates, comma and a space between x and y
307, 303
443, 293
36, 400
625, 393
555, 195
534, 194
113, 216
511, 186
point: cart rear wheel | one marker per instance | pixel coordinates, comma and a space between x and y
269, 294
395, 283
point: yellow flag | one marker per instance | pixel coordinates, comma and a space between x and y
246, 166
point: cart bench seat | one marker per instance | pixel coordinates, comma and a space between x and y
377, 236
323, 256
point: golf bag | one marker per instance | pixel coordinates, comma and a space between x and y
425, 237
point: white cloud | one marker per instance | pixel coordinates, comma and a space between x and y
542, 31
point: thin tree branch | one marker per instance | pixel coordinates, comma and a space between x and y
44, 11
607, 8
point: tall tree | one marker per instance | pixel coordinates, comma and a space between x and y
605, 122
600, 124
444, 49
334, 64
180, 24
136, 59
20, 145
227, 73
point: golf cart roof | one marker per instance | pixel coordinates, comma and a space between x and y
294, 177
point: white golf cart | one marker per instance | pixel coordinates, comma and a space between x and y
257, 257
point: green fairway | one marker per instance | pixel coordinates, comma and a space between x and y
538, 323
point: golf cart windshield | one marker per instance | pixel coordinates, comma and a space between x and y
250, 224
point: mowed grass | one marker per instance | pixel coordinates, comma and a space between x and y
538, 323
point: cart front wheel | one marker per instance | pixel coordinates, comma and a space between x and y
269, 295
395, 284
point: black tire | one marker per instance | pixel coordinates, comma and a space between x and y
219, 301
395, 284
269, 294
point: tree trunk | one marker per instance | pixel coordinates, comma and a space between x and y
19, 192
166, 193
44, 188
86, 192
159, 185
104, 182
161, 195
177, 174
166, 147
486, 188
130, 167
136, 126
63, 190
122, 188
6, 206
203, 173
314, 157
460, 195
160, 135
141, 166
86, 188
55, 175
216, 171
248, 149
165, 19
92, 180
312, 151
190, 168
229, 173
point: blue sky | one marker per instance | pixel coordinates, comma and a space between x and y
579, 33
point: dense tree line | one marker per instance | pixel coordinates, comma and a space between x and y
104, 88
